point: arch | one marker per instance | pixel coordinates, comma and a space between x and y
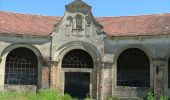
11, 47
88, 20
69, 20
17, 45
21, 67
120, 50
89, 48
79, 21
133, 63
77, 59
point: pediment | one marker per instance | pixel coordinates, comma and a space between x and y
78, 20
78, 3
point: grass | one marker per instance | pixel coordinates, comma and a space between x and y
46, 94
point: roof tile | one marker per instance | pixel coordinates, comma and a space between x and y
26, 24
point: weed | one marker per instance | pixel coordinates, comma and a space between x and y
164, 98
45, 94
150, 96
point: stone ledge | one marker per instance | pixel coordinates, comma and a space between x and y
20, 88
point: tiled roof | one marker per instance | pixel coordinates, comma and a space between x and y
136, 25
14, 23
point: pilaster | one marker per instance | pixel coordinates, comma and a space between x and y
158, 73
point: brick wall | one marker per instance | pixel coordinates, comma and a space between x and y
45, 77
53, 82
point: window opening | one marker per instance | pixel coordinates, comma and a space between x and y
21, 67
77, 59
133, 69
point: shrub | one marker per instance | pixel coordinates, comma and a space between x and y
66, 97
45, 94
49, 94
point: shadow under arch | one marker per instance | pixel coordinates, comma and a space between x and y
167, 73
149, 55
131, 65
32, 48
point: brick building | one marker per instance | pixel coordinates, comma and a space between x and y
80, 54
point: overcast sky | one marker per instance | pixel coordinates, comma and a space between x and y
99, 7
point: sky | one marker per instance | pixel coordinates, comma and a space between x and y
99, 7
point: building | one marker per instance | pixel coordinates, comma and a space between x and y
80, 54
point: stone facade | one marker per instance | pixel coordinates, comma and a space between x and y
78, 29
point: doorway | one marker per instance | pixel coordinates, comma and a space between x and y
77, 84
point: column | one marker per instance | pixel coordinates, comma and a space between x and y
53, 75
99, 77
45, 77
158, 78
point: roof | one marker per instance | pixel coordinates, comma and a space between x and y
25, 24
39, 25
157, 24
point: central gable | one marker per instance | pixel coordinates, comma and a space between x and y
78, 20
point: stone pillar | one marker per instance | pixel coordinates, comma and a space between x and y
98, 81
104, 78
98, 78
158, 78
101, 83
107, 80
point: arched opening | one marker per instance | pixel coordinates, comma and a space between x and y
21, 67
77, 83
77, 59
79, 21
69, 21
169, 73
133, 68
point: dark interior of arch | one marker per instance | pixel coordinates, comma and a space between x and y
77, 84
21, 67
133, 69
169, 73
77, 59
